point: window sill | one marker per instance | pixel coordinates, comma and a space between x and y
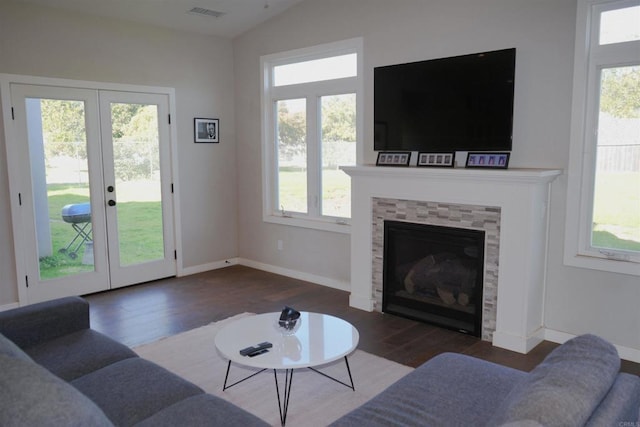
315, 224
603, 264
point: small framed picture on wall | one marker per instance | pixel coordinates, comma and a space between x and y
436, 159
206, 130
496, 160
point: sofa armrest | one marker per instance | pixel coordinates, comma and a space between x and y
33, 324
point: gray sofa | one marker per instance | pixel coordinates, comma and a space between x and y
577, 384
56, 371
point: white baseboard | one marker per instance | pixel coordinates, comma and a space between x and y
207, 267
517, 343
362, 303
626, 353
6, 307
320, 280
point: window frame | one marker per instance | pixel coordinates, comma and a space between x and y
590, 59
312, 92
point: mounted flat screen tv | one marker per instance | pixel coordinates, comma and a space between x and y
462, 103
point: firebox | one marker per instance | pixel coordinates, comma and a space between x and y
434, 274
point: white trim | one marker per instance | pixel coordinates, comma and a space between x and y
559, 337
295, 274
516, 343
314, 52
362, 303
342, 227
11, 306
14, 187
589, 59
84, 84
216, 265
268, 94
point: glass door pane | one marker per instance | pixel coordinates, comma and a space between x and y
60, 183
137, 180
136, 162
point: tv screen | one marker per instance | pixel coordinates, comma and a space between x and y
462, 103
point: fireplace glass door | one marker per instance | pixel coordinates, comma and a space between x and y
434, 274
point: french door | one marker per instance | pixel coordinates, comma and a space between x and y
95, 195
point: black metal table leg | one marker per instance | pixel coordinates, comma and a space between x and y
349, 371
337, 380
224, 387
283, 404
283, 398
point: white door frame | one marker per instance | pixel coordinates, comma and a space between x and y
17, 186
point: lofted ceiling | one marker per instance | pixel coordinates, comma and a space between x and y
224, 18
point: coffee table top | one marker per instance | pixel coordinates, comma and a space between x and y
320, 339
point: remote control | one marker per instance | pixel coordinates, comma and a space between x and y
256, 353
255, 349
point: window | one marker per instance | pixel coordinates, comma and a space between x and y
311, 123
603, 203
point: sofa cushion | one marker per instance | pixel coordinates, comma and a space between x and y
450, 389
77, 354
32, 396
37, 323
201, 410
8, 348
566, 387
622, 403
133, 389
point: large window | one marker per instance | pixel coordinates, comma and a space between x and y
603, 204
311, 124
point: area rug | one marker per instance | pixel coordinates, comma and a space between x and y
315, 400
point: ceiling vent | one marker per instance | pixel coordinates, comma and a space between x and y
206, 12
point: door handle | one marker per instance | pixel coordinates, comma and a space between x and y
111, 202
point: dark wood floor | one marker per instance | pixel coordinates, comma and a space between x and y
146, 312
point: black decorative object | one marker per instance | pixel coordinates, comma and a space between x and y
289, 321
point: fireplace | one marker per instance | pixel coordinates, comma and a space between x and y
510, 206
434, 274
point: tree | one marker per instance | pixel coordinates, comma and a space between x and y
292, 131
63, 128
135, 142
338, 130
620, 92
339, 118
121, 116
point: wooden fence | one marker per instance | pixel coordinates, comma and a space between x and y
619, 158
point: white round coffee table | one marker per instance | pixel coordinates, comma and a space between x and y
320, 339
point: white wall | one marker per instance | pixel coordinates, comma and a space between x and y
45, 42
577, 301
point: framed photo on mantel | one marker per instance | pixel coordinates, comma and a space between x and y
393, 158
491, 160
436, 159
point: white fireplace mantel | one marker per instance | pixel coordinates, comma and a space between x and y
523, 198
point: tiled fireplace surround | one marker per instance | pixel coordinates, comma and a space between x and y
511, 206
485, 218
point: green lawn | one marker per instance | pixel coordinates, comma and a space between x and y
140, 222
336, 192
616, 216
